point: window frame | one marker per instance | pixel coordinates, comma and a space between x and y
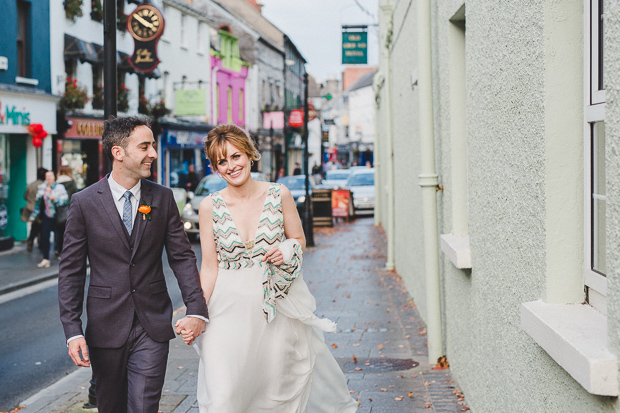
594, 111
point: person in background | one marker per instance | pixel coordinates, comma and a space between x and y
50, 195
30, 196
297, 170
192, 178
65, 177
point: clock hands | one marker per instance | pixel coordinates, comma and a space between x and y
144, 22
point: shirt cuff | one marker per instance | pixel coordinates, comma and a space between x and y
206, 320
73, 338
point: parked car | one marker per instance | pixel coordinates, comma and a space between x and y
361, 182
335, 178
207, 185
297, 185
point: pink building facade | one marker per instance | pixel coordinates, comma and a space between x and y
230, 93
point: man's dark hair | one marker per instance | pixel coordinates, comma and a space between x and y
116, 132
41, 174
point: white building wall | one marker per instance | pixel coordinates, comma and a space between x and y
362, 115
524, 156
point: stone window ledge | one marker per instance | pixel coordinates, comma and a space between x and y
575, 336
456, 248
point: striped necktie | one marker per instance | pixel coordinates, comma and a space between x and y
127, 212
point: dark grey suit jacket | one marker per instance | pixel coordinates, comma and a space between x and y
125, 279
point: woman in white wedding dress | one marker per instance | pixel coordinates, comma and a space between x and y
261, 350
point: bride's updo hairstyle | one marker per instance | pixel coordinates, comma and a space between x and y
215, 145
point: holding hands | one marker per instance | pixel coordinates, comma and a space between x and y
190, 328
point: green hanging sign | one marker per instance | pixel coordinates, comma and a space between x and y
354, 47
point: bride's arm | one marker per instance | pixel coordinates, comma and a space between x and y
208, 267
292, 224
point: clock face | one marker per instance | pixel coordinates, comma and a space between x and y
145, 23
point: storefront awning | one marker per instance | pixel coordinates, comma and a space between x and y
79, 49
124, 64
100, 60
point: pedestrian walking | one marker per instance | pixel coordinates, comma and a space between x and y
260, 351
65, 177
50, 197
297, 170
30, 195
192, 178
121, 225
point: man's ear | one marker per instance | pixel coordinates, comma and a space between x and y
118, 153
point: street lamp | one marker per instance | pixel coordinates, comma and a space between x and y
308, 224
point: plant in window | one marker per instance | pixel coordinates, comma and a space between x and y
122, 98
75, 97
73, 9
121, 17
98, 96
96, 10
159, 109
144, 106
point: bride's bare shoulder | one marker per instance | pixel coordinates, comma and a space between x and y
206, 205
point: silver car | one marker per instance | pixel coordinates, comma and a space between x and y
336, 178
362, 186
207, 185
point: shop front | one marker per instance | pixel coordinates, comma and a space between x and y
19, 159
181, 145
80, 148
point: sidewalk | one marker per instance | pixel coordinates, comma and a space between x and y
381, 342
19, 268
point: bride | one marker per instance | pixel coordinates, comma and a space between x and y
261, 351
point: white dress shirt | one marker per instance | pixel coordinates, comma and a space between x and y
118, 192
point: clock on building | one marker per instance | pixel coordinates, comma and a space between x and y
145, 23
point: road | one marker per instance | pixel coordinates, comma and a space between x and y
33, 353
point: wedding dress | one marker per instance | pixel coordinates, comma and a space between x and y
247, 363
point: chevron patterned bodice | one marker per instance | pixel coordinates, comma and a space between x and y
232, 252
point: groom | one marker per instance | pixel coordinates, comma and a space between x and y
129, 309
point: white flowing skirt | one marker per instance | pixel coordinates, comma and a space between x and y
250, 366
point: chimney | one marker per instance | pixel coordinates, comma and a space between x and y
256, 4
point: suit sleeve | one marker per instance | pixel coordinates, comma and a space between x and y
182, 260
72, 271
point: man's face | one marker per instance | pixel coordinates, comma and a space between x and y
139, 154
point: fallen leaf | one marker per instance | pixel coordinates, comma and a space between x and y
427, 383
354, 359
399, 398
351, 391
422, 332
334, 346
380, 346
410, 394
464, 409
180, 367
357, 369
370, 400
383, 389
356, 344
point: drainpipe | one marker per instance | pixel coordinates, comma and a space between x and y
215, 100
378, 83
428, 181
387, 10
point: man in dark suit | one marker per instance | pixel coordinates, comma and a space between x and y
129, 310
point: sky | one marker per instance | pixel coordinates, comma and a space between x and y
315, 26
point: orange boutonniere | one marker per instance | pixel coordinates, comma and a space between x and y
145, 210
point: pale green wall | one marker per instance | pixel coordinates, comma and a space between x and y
524, 107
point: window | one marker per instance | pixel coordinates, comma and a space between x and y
199, 41
229, 104
241, 114
183, 37
594, 138
23, 41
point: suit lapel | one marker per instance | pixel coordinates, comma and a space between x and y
107, 201
141, 223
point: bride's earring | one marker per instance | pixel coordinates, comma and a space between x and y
251, 163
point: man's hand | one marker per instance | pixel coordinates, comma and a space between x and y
190, 327
75, 346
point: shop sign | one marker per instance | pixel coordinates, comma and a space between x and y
17, 113
185, 138
191, 102
4, 217
354, 47
84, 128
296, 118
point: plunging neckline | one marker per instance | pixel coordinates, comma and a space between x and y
260, 217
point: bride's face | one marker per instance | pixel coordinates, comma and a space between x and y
235, 167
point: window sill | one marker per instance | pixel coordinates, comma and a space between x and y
26, 81
456, 248
575, 336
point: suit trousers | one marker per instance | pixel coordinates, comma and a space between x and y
130, 379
